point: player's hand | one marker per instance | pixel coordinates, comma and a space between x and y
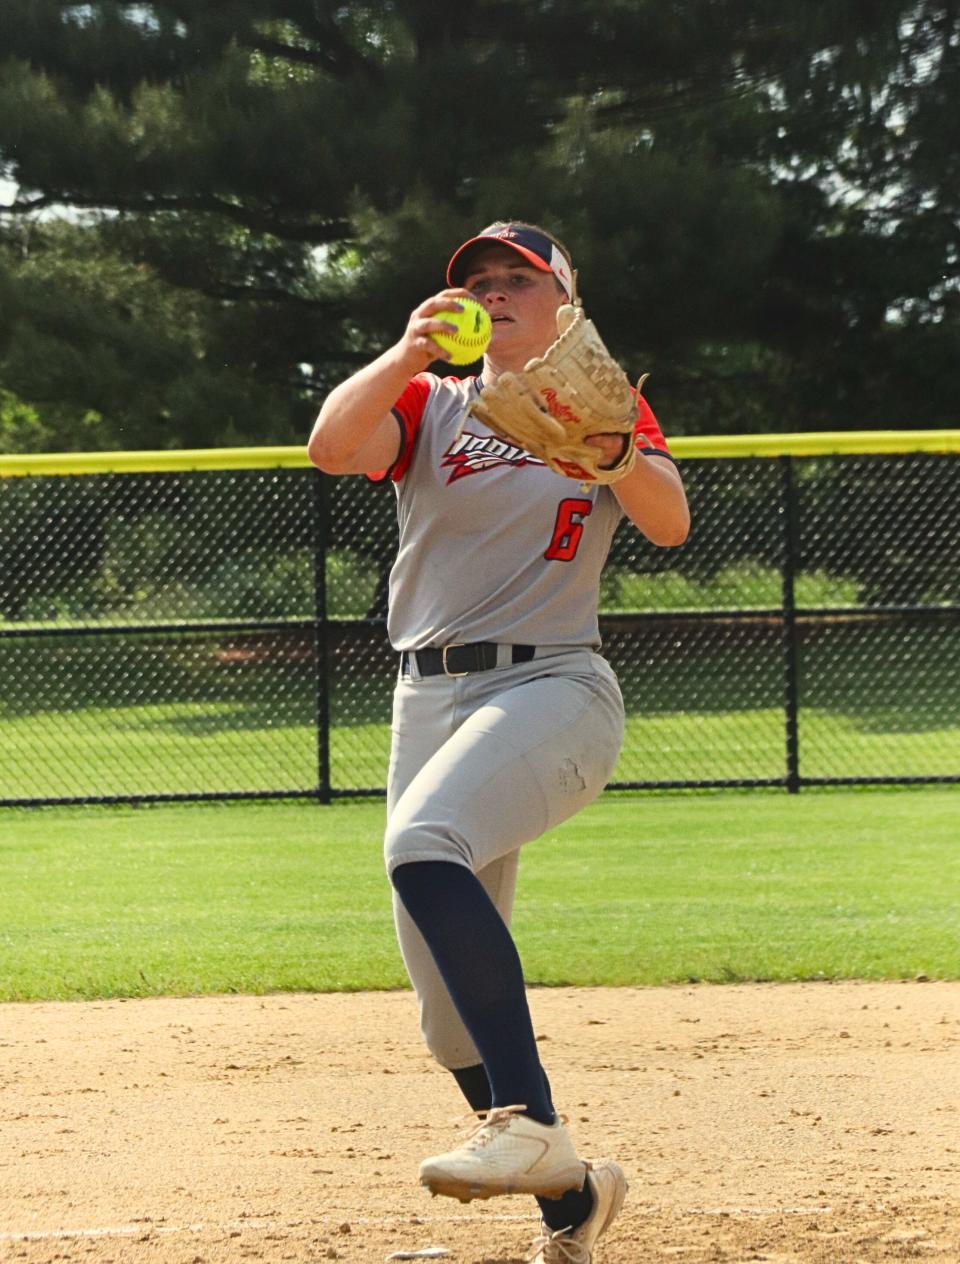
612, 446
416, 343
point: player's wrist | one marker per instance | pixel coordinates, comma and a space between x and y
405, 359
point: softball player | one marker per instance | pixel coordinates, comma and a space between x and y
506, 719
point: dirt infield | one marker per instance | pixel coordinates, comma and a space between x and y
813, 1122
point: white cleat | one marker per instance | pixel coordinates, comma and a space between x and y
575, 1246
507, 1153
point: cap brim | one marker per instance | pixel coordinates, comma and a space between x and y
457, 267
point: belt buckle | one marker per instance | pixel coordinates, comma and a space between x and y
446, 670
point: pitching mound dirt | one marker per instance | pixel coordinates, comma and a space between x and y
814, 1122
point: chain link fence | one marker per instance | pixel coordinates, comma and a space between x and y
219, 633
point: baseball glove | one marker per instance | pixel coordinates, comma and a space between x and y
576, 389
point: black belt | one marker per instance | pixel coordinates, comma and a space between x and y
461, 660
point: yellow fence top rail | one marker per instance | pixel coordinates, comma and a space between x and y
813, 443
819, 443
174, 460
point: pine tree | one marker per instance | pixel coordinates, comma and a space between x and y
761, 198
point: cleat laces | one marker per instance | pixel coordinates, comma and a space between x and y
489, 1125
557, 1248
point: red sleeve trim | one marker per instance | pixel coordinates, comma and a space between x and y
408, 411
648, 428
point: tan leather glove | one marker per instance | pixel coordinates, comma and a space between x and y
576, 389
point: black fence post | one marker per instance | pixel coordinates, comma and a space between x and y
791, 552
321, 635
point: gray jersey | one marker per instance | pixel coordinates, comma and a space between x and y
494, 546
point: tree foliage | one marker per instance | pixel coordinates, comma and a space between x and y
223, 208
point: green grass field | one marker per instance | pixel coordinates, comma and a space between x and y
187, 748
639, 889
129, 716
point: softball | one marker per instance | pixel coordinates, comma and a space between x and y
473, 332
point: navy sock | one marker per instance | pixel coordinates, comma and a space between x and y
478, 961
475, 1086
571, 1209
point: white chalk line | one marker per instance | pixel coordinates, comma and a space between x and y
148, 1230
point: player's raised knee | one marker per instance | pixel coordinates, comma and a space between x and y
407, 843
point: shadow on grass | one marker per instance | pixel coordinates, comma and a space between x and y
881, 679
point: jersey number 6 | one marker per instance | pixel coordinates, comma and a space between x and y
568, 529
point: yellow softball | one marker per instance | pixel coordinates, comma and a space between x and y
473, 332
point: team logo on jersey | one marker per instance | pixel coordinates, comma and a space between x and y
472, 454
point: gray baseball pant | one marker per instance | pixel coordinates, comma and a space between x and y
480, 765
